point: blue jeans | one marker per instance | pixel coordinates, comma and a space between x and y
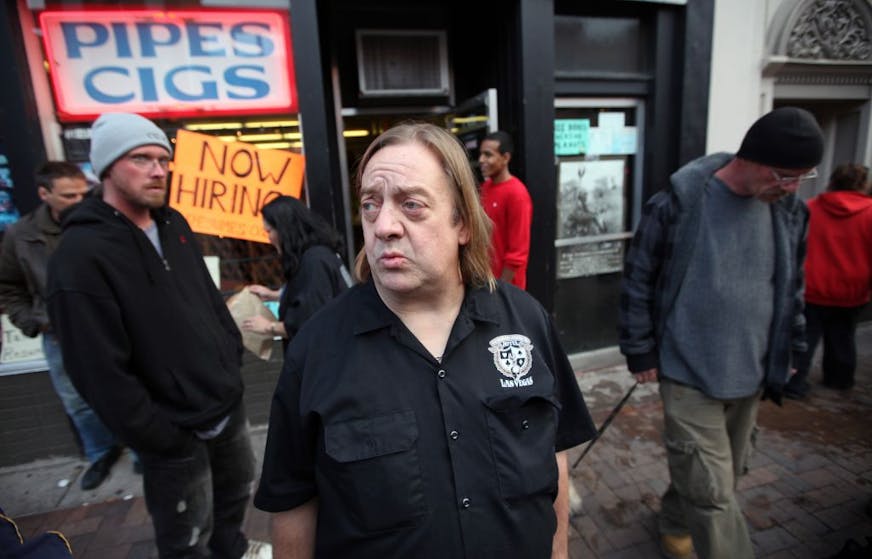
197, 498
96, 438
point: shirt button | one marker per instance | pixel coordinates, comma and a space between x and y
465, 503
441, 373
454, 435
525, 424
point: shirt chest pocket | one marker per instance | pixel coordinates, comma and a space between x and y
375, 469
522, 432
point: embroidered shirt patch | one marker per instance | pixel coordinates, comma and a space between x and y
513, 357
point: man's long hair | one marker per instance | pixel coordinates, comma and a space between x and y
475, 267
298, 228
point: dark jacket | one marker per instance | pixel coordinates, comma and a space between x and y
661, 251
318, 279
27, 246
148, 341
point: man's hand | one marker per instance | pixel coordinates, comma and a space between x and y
648, 375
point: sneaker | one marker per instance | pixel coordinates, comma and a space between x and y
99, 470
258, 550
676, 546
576, 506
794, 394
796, 390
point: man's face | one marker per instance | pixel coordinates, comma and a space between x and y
411, 232
65, 192
490, 160
139, 177
773, 183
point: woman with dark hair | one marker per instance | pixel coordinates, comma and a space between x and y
309, 250
838, 272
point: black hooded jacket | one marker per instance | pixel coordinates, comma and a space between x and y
148, 341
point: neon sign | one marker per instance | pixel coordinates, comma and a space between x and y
169, 63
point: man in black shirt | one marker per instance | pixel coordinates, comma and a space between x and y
427, 411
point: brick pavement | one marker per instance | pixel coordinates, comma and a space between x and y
805, 493
809, 482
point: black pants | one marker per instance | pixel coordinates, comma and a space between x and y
837, 326
198, 500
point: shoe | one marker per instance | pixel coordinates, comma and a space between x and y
843, 385
99, 470
796, 390
258, 550
576, 505
794, 395
676, 546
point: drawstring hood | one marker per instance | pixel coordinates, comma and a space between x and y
844, 203
94, 211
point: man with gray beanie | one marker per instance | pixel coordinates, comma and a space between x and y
711, 307
149, 343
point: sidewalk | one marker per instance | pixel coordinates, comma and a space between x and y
810, 479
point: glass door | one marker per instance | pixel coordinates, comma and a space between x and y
598, 147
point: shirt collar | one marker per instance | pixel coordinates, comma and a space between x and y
369, 312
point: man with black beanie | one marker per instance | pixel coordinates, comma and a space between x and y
711, 307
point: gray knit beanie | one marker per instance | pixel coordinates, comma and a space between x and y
114, 134
787, 138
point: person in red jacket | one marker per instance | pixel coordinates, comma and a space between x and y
838, 271
507, 203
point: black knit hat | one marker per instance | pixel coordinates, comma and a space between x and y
788, 138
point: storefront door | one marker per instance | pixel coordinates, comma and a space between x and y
598, 147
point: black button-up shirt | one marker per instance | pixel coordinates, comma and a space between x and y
412, 457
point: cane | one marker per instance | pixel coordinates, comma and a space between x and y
605, 424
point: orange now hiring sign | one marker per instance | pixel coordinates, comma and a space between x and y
220, 187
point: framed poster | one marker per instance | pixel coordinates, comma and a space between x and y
590, 207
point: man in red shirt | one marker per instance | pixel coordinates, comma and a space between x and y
507, 203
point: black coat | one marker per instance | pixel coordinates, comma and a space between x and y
147, 340
318, 279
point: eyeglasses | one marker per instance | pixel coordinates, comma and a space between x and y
782, 179
146, 162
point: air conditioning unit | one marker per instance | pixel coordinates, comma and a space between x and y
407, 63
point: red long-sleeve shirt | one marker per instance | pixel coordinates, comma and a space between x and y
509, 206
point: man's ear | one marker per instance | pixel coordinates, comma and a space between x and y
463, 234
43, 193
